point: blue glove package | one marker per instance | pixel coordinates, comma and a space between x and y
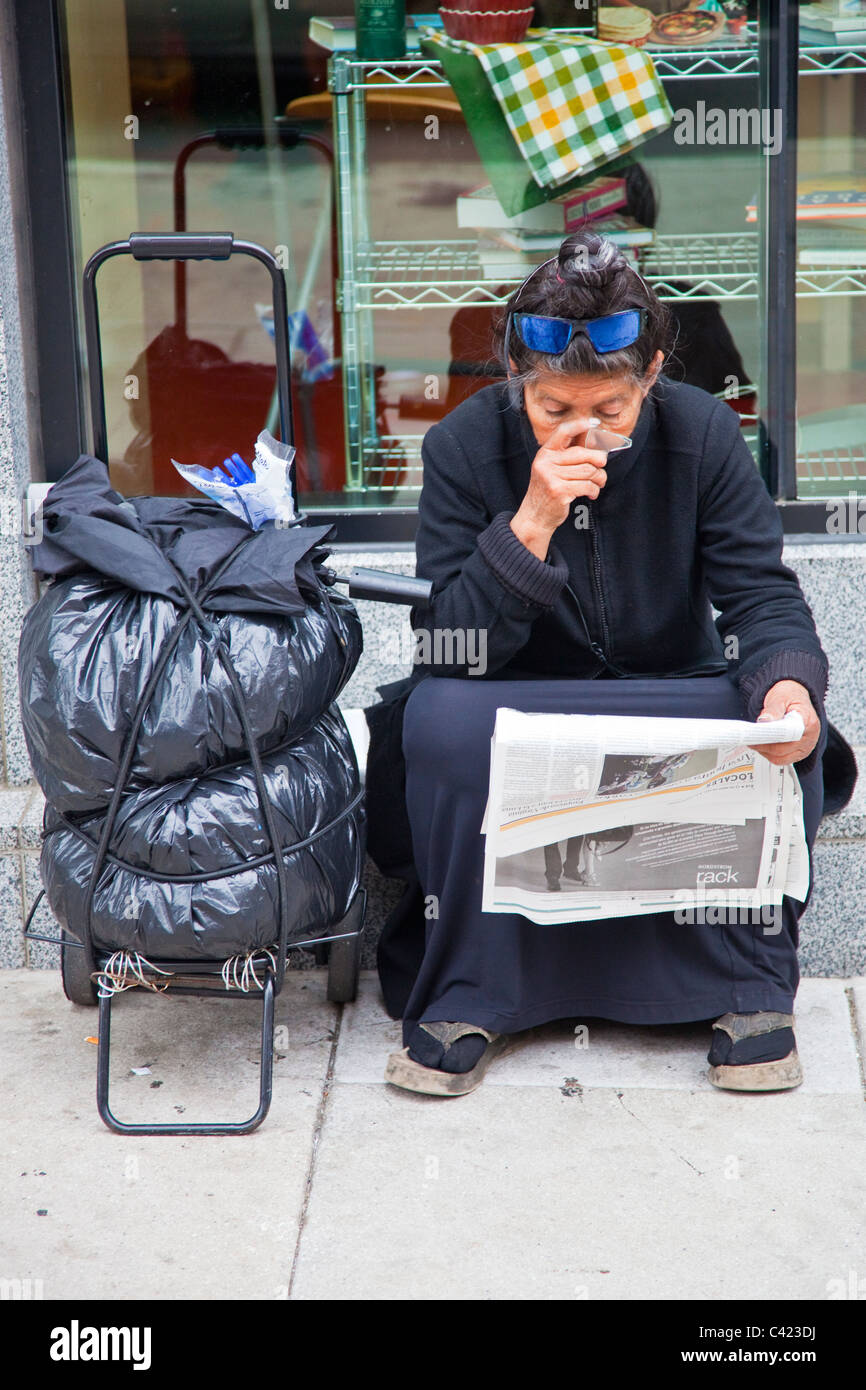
266, 494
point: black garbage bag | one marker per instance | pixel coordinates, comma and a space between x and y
190, 871
191, 874
89, 647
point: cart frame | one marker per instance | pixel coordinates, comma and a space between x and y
342, 942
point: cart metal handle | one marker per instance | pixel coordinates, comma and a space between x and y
182, 246
188, 246
385, 587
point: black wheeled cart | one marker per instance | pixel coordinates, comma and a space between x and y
179, 679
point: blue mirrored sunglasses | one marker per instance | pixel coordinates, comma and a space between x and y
553, 335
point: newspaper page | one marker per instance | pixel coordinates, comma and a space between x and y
594, 816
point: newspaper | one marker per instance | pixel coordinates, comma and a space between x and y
595, 816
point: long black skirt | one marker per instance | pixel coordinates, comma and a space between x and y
506, 973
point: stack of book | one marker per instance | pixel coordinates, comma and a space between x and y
831, 219
833, 23
509, 247
337, 32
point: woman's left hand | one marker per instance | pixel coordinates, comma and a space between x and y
779, 700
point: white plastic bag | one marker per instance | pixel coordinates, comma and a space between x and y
270, 498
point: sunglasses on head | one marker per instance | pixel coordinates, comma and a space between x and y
541, 333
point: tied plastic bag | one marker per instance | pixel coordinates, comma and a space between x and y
270, 496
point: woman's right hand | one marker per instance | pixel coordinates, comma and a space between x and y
561, 472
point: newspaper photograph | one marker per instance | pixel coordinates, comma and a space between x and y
594, 816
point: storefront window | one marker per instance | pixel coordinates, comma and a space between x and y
831, 264
188, 355
393, 292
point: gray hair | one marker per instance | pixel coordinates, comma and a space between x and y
588, 278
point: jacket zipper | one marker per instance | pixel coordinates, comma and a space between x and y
604, 652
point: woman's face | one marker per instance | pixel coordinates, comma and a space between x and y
615, 401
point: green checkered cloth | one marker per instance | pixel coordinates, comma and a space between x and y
572, 104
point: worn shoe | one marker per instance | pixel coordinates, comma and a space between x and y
452, 1046
754, 1052
577, 874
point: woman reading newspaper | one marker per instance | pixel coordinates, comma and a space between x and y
569, 579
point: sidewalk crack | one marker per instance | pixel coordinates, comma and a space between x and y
855, 1029
644, 1125
314, 1148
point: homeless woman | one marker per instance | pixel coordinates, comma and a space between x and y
588, 583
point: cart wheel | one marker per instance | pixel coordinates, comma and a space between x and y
77, 984
343, 968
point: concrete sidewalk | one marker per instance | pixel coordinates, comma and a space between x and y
596, 1165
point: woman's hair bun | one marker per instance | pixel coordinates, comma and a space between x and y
587, 259
589, 277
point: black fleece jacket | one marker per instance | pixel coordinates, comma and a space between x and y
684, 524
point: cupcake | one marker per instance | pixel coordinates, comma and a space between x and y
503, 24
